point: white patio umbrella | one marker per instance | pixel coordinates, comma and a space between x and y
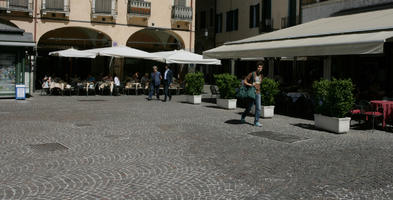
73, 53
124, 52
185, 57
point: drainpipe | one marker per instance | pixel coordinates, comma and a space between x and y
215, 22
35, 21
192, 9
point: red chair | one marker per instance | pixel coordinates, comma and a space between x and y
357, 113
373, 113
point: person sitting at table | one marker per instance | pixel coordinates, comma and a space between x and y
145, 80
135, 77
90, 78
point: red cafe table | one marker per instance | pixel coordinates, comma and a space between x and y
387, 107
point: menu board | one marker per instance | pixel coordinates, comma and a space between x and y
7, 73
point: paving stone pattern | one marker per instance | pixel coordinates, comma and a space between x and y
129, 148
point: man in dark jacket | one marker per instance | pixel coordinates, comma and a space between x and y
168, 76
155, 83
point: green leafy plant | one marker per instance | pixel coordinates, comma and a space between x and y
333, 98
194, 83
227, 84
269, 89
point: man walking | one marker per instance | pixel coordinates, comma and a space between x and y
155, 83
168, 75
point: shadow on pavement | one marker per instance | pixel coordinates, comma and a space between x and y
236, 122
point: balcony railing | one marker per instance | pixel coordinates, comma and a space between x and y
60, 6
182, 13
266, 25
285, 22
17, 5
104, 8
139, 8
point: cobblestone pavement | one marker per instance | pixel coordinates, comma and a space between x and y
102, 147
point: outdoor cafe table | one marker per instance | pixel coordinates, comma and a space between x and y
387, 107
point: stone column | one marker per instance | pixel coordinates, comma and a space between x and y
271, 68
233, 67
327, 67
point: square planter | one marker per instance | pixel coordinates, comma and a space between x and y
227, 103
333, 124
194, 99
267, 111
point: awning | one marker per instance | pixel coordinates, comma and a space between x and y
185, 57
73, 53
363, 33
16, 39
124, 52
361, 43
17, 44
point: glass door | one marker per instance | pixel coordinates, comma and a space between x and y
7, 73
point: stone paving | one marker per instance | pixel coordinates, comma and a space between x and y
103, 147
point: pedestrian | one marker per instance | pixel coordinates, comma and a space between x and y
116, 84
254, 79
155, 83
168, 76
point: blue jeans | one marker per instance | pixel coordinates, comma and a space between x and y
154, 89
257, 103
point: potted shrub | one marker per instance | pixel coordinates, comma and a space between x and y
269, 89
332, 101
194, 87
227, 85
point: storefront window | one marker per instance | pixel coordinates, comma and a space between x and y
7, 73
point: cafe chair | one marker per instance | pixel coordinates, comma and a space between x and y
214, 91
373, 113
357, 113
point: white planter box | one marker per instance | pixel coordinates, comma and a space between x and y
194, 99
337, 125
267, 111
227, 103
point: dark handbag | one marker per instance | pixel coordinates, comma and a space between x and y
246, 92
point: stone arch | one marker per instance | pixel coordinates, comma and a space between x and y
77, 37
153, 40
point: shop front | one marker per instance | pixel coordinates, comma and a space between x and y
15, 47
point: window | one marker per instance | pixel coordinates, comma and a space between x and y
202, 23
254, 16
7, 73
219, 23
232, 20
181, 3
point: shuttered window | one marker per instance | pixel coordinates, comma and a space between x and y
55, 4
103, 6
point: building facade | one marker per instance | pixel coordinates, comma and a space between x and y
153, 25
316, 9
220, 21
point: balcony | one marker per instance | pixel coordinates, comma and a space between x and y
285, 22
17, 6
55, 6
139, 9
104, 8
181, 13
266, 26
